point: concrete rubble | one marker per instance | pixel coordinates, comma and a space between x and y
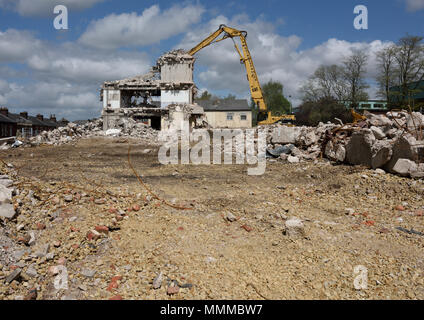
125, 127
393, 142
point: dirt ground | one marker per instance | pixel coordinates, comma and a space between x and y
207, 255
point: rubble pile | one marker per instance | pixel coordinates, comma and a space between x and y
128, 127
125, 128
393, 142
68, 133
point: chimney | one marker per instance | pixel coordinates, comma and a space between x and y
4, 111
40, 117
53, 117
24, 115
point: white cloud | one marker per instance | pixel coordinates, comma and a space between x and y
62, 79
45, 7
130, 29
275, 57
414, 5
63, 99
16, 46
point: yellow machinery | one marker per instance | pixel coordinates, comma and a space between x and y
357, 117
264, 117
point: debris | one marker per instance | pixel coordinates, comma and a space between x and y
32, 295
88, 273
230, 217
247, 228
7, 211
13, 276
295, 228
173, 289
157, 282
412, 231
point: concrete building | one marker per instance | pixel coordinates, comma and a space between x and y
158, 98
227, 113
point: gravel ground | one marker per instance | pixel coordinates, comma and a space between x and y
232, 243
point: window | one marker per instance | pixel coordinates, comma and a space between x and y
113, 96
229, 116
243, 117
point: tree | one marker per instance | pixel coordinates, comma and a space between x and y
386, 77
205, 96
327, 82
230, 97
311, 113
409, 57
354, 74
274, 98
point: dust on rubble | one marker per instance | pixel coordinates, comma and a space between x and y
298, 232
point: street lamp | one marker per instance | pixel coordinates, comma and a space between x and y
291, 106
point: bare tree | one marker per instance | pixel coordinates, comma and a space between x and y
409, 57
327, 82
354, 74
386, 77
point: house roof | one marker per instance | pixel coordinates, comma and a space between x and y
19, 119
5, 119
224, 105
38, 122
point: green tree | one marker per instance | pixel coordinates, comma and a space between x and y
274, 98
230, 97
311, 113
205, 96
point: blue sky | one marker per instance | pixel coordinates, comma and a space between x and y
50, 71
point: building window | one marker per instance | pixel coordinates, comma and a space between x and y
113, 96
243, 117
229, 116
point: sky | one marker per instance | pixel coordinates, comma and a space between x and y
49, 71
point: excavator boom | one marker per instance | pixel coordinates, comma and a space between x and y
264, 116
245, 58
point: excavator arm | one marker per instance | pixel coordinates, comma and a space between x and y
245, 58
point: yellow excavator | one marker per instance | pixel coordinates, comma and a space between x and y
265, 117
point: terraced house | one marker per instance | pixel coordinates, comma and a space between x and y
24, 125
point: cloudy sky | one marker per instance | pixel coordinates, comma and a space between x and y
60, 71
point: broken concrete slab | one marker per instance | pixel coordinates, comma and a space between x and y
405, 167
359, 148
280, 150
13, 276
335, 152
285, 135
7, 210
378, 133
381, 153
406, 147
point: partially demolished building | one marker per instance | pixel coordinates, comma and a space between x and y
159, 98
